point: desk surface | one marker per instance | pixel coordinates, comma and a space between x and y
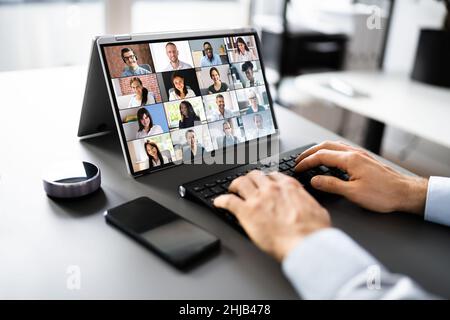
394, 99
41, 238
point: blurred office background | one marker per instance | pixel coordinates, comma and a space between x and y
328, 35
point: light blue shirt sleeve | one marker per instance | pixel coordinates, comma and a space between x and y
437, 205
329, 265
205, 62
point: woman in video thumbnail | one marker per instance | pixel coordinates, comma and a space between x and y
243, 52
188, 115
155, 158
179, 90
141, 95
218, 85
146, 127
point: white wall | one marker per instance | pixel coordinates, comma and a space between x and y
408, 18
38, 35
153, 16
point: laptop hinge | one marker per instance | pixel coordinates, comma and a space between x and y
122, 37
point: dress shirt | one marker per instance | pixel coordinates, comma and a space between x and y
328, 264
181, 65
205, 62
127, 72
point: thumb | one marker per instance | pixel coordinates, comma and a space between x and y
329, 184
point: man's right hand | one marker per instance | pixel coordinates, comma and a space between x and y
372, 184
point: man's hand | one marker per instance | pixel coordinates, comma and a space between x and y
274, 210
372, 184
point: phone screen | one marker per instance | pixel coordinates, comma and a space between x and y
169, 235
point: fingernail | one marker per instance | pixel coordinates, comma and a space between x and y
216, 201
316, 181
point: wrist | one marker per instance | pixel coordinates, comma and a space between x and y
414, 195
290, 244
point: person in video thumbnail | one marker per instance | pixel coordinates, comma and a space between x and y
146, 126
188, 115
132, 68
210, 58
155, 158
141, 95
253, 103
179, 90
247, 68
221, 113
243, 52
228, 139
260, 130
175, 63
194, 149
218, 85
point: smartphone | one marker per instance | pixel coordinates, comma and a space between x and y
173, 238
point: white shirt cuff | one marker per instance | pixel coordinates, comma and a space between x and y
437, 206
324, 262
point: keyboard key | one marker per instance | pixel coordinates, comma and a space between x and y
226, 185
344, 176
217, 190
286, 159
284, 167
220, 181
323, 169
291, 163
209, 185
199, 188
206, 194
231, 178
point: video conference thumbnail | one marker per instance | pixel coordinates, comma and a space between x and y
136, 91
185, 113
151, 152
179, 99
180, 84
130, 60
192, 143
227, 132
144, 122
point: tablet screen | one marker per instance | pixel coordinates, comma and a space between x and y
180, 99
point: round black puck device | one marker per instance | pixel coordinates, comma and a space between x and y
71, 179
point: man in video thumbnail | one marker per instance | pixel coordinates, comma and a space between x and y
132, 68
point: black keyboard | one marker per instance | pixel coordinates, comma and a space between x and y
206, 189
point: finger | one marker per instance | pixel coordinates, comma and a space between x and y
279, 177
229, 202
330, 184
258, 177
353, 148
329, 145
292, 191
243, 186
330, 158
